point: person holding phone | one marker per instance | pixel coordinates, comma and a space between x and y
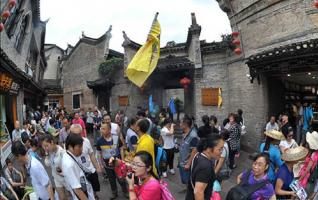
147, 186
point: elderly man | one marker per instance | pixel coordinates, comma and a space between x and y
88, 160
16, 133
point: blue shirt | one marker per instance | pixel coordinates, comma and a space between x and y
188, 143
274, 156
108, 148
308, 115
286, 176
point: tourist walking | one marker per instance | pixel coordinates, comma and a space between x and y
187, 148
15, 178
89, 120
107, 151
97, 120
272, 124
77, 120
285, 175
222, 168
74, 174
53, 158
147, 187
206, 129
289, 142
234, 139
255, 180
311, 160
39, 178
270, 146
16, 133
167, 134
202, 175
87, 160
132, 136
146, 142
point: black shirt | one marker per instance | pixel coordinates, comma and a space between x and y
202, 171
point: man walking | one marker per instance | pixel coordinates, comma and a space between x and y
73, 172
39, 178
87, 160
107, 151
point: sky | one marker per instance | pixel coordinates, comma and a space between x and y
68, 18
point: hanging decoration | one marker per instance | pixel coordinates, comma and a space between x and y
185, 82
6, 13
236, 42
316, 3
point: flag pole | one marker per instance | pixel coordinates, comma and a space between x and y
131, 83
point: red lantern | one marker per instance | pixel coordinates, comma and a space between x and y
316, 3
1, 26
237, 51
185, 82
12, 3
236, 42
5, 14
235, 34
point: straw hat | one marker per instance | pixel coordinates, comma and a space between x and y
312, 139
295, 154
277, 135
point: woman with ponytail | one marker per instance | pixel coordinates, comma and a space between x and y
206, 129
202, 175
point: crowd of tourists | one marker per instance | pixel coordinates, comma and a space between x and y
63, 155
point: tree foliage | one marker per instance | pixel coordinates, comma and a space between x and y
110, 64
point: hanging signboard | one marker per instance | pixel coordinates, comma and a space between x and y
123, 100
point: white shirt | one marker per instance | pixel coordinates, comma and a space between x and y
285, 144
54, 160
73, 175
168, 139
114, 128
39, 178
85, 159
270, 127
16, 135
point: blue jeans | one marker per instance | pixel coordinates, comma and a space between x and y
185, 175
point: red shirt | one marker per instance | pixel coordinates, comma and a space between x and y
80, 122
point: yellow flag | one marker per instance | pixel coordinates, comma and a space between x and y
219, 98
145, 60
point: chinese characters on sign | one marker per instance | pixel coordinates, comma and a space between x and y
7, 84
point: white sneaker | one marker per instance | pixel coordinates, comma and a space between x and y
172, 171
164, 174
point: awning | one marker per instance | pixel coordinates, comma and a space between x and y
292, 58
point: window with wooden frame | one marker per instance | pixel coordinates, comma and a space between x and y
209, 96
123, 100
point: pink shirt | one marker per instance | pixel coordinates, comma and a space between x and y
80, 122
149, 191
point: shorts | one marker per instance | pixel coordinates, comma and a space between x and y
185, 175
93, 179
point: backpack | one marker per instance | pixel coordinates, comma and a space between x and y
161, 159
244, 190
165, 193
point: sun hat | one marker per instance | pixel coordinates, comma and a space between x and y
277, 135
312, 140
295, 154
